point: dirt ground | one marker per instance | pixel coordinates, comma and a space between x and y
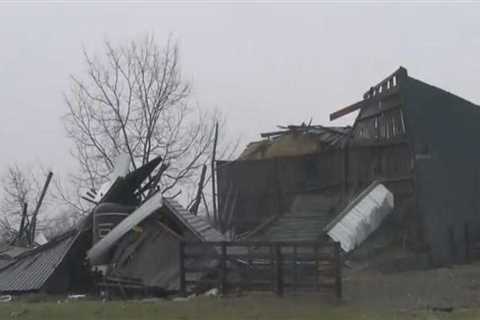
457, 287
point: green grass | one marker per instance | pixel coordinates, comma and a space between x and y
252, 307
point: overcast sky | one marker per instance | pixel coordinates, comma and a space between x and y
261, 64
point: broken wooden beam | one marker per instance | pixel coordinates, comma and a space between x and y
37, 208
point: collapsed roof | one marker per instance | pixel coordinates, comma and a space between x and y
303, 221
296, 140
150, 254
419, 140
143, 245
48, 267
200, 228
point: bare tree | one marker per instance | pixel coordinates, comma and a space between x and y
134, 100
60, 223
20, 187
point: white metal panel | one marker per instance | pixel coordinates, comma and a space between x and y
122, 165
359, 221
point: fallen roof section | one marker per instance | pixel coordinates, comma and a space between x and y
98, 254
32, 269
304, 221
361, 217
11, 252
296, 140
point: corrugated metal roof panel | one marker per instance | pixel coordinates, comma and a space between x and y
363, 216
199, 226
31, 270
5, 262
13, 251
308, 215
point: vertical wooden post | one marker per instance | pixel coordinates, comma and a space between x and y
214, 192
182, 268
315, 250
278, 270
467, 243
345, 152
198, 197
338, 271
453, 248
33, 223
223, 268
272, 267
250, 267
295, 267
22, 224
475, 192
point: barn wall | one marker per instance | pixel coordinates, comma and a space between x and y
421, 139
378, 161
266, 188
150, 255
444, 134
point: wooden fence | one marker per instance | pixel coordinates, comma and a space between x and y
277, 266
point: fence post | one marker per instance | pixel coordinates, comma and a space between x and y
317, 278
182, 267
467, 243
223, 266
338, 271
453, 247
278, 270
295, 268
272, 267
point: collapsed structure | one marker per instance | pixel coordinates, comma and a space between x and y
410, 151
416, 139
128, 242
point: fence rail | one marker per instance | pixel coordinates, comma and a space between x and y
261, 265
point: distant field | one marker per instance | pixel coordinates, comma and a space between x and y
252, 307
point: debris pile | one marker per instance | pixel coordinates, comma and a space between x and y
127, 244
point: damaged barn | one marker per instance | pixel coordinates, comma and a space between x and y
397, 180
415, 139
128, 244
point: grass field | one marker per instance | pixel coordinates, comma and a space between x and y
406, 295
250, 307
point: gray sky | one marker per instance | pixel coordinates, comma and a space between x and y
261, 64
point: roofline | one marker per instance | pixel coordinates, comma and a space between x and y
49, 244
168, 205
445, 91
